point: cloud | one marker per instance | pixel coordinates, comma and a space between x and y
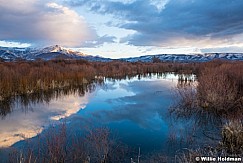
134, 105
42, 22
230, 49
30, 123
99, 41
181, 23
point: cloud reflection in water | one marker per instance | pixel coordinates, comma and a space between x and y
20, 123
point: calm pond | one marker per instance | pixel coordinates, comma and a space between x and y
135, 110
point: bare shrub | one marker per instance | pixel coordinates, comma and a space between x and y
216, 91
22, 157
98, 143
232, 137
56, 145
103, 148
186, 101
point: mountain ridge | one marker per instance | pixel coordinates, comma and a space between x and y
46, 53
59, 52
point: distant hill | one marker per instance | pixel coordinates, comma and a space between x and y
58, 52
186, 57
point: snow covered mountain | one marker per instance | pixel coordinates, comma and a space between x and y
186, 57
47, 53
58, 52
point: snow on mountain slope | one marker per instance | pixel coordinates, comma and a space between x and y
58, 52
187, 58
47, 53
59, 49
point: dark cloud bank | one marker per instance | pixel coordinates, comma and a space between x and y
210, 20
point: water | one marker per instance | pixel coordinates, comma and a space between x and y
134, 109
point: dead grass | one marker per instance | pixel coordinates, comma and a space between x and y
232, 137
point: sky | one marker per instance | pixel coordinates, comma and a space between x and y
124, 28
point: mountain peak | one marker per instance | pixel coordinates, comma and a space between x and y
54, 48
61, 50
